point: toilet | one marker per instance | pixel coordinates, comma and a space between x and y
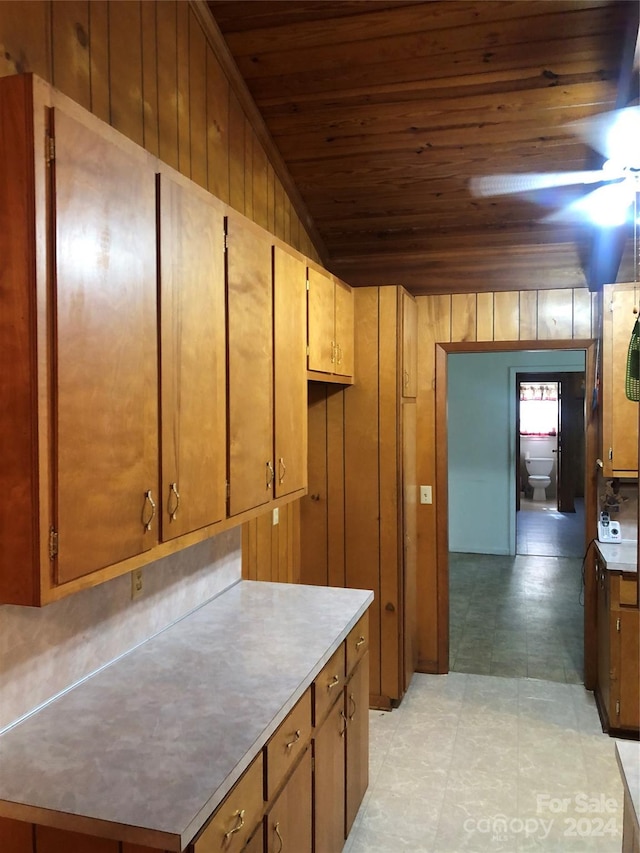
539, 469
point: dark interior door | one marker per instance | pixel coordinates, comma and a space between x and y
570, 432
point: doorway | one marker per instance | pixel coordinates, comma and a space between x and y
483, 510
549, 470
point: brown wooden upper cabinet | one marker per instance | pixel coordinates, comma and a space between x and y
250, 365
330, 326
290, 381
409, 377
78, 373
193, 354
619, 414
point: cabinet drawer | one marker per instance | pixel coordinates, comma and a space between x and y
328, 685
287, 743
357, 642
237, 817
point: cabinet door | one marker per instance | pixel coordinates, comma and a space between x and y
193, 356
250, 365
357, 765
344, 319
290, 383
106, 384
604, 640
409, 345
619, 415
321, 320
288, 824
629, 669
329, 781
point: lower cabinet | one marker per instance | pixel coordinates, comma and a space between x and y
288, 821
357, 740
618, 652
329, 780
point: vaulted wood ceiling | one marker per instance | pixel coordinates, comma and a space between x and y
383, 111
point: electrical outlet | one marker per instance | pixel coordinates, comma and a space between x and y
276, 516
425, 495
136, 584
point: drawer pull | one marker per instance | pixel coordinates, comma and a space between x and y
295, 740
148, 499
240, 823
360, 642
333, 682
345, 723
352, 702
276, 829
174, 498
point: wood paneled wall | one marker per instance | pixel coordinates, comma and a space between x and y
271, 552
155, 72
511, 316
152, 71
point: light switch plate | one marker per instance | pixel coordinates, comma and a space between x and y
425, 495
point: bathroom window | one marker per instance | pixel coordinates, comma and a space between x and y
538, 408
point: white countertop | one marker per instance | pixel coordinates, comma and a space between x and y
620, 557
628, 755
145, 750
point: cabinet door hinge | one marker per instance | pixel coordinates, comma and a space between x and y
226, 242
610, 454
308, 350
228, 492
308, 287
618, 625
617, 707
53, 543
50, 150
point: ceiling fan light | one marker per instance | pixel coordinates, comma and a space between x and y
623, 136
608, 206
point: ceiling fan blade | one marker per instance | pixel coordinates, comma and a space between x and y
490, 185
614, 134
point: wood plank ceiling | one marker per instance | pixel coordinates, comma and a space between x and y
383, 111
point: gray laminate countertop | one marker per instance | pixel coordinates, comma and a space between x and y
628, 754
620, 556
147, 748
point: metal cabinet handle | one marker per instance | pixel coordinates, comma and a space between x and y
148, 499
239, 824
333, 682
352, 701
339, 354
271, 475
406, 378
282, 470
344, 719
276, 829
173, 493
361, 640
333, 352
295, 740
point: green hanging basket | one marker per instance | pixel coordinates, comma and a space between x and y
632, 378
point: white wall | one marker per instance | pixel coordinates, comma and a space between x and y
481, 443
44, 651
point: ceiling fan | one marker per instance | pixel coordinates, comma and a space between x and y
613, 202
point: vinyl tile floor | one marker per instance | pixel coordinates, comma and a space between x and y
519, 616
506, 753
486, 763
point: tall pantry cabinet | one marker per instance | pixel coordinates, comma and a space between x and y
358, 520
